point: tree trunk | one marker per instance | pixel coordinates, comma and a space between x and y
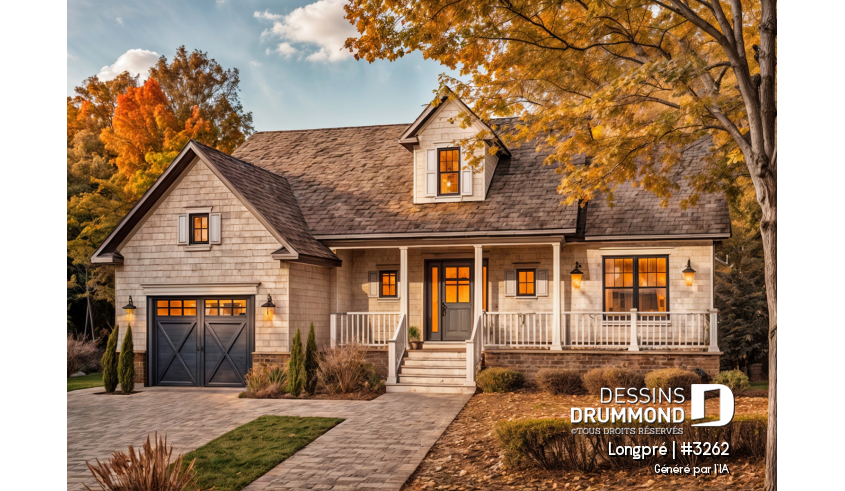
768, 229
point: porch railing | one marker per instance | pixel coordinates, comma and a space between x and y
630, 330
367, 328
518, 329
396, 349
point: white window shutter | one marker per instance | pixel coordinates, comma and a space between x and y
466, 180
510, 283
182, 230
542, 282
373, 278
431, 172
214, 228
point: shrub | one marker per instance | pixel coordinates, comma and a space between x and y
594, 381
734, 380
500, 380
296, 366
612, 378
546, 443
150, 468
414, 334
126, 364
81, 355
558, 381
263, 382
670, 378
343, 369
311, 355
374, 383
110, 361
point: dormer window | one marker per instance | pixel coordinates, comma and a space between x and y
199, 228
449, 171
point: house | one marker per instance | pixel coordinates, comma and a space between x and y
366, 231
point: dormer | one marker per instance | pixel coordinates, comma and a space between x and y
441, 173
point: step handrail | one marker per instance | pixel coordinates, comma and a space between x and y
474, 349
396, 349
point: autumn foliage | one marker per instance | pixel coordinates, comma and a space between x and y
121, 135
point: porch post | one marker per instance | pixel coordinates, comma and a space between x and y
404, 300
714, 339
478, 301
556, 290
633, 346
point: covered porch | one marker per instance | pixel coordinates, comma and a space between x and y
510, 293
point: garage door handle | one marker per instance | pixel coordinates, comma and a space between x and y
200, 348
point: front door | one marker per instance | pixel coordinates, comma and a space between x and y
449, 292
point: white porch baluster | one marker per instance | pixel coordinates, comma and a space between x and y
633, 346
556, 332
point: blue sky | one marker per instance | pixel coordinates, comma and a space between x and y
292, 74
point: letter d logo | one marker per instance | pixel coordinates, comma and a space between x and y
726, 403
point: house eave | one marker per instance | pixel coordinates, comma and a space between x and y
604, 238
111, 257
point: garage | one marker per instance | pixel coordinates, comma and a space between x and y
201, 341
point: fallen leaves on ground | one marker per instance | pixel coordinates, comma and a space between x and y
467, 456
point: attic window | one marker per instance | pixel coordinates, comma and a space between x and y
448, 171
199, 228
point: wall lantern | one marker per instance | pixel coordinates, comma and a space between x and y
689, 273
268, 307
576, 275
130, 310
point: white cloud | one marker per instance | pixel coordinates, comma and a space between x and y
120, 21
319, 29
134, 61
254, 63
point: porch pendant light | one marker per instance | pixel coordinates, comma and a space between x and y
689, 273
576, 275
130, 309
268, 307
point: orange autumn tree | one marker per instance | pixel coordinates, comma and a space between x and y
629, 83
122, 136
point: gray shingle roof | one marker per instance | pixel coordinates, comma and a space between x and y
360, 181
271, 196
638, 212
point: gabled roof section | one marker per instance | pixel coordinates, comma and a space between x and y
267, 195
409, 137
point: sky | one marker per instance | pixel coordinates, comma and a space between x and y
293, 73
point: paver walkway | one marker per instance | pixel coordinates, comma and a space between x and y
379, 445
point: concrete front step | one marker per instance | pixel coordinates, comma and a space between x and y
445, 345
431, 389
429, 370
440, 354
432, 379
434, 362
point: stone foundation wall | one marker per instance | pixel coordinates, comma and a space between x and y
140, 362
529, 362
270, 359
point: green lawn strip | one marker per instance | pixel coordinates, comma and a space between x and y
759, 386
85, 382
235, 459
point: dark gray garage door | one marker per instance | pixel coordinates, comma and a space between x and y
201, 341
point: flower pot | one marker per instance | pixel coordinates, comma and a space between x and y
416, 344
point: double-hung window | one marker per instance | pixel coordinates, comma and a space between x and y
387, 284
636, 282
199, 228
526, 282
449, 171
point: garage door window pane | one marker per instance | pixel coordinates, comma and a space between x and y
190, 307
211, 307
239, 307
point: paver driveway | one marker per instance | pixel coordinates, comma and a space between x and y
379, 444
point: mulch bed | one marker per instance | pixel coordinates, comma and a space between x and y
467, 455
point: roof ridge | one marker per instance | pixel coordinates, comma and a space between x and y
334, 128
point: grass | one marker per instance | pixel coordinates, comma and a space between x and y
237, 458
759, 386
85, 382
